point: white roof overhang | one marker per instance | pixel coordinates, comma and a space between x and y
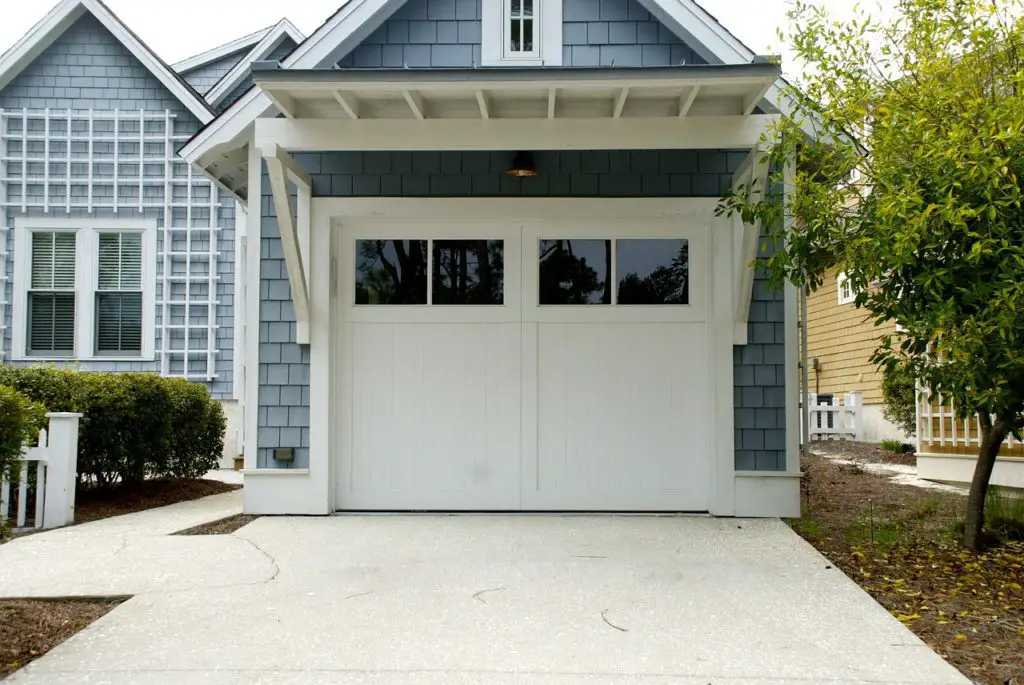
699, 106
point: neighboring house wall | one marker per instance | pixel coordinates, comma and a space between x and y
205, 77
843, 338
428, 33
88, 69
283, 414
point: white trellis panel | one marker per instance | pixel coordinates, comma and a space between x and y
123, 163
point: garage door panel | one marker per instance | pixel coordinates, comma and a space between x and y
622, 417
435, 416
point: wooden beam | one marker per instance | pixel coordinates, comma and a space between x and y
416, 103
295, 173
278, 173
349, 102
552, 102
620, 103
288, 105
686, 101
724, 132
753, 99
481, 100
752, 174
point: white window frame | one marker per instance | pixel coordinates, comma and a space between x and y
547, 35
844, 291
86, 282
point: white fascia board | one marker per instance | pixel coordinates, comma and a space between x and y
220, 52
709, 39
43, 34
302, 135
270, 42
350, 25
229, 126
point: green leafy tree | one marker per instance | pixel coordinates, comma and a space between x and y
906, 144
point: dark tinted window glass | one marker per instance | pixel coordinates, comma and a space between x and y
391, 272
653, 271
469, 271
575, 271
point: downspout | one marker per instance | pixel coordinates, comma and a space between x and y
805, 428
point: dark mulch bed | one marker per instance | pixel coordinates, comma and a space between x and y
863, 451
93, 505
900, 543
31, 628
222, 527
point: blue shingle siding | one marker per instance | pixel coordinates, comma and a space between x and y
446, 33
283, 370
423, 33
618, 33
205, 77
88, 69
279, 53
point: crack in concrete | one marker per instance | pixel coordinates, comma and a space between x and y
270, 558
480, 599
604, 617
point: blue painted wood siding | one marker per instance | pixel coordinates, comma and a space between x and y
87, 68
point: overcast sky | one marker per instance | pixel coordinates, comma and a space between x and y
176, 29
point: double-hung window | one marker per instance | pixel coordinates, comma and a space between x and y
51, 294
521, 33
119, 294
84, 289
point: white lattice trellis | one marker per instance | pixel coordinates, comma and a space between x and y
122, 163
951, 431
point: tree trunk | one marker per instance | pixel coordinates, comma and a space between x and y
992, 436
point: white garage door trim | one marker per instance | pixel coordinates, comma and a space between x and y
329, 213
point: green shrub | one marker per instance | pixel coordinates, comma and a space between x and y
20, 422
134, 425
897, 446
899, 389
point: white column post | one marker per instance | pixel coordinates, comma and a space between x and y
854, 408
62, 469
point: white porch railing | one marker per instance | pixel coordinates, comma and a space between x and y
829, 418
55, 461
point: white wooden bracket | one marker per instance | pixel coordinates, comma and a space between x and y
753, 177
293, 224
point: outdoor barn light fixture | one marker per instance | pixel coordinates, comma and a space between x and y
523, 165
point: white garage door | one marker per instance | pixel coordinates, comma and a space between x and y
506, 367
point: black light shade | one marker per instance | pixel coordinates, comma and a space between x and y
523, 165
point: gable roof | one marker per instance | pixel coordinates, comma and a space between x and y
220, 52
273, 38
355, 20
63, 16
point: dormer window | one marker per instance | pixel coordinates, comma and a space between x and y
521, 20
522, 33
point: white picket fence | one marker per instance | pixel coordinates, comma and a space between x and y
55, 462
830, 418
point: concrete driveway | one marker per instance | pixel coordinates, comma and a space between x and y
494, 599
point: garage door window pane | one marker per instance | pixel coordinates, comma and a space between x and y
391, 272
653, 271
469, 272
575, 271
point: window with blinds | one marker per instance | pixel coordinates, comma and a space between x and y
119, 294
51, 294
